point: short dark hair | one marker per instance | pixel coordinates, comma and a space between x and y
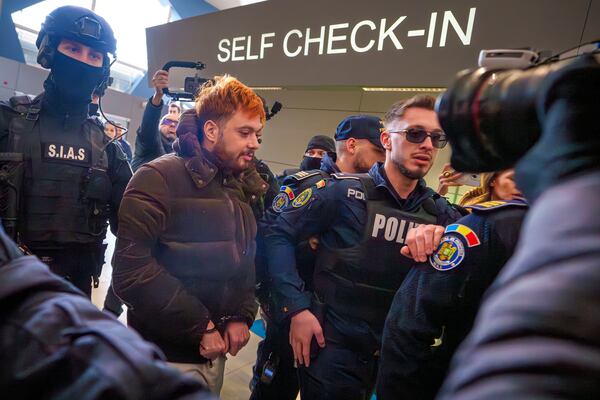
399, 108
175, 105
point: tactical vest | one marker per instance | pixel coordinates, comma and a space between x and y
360, 281
66, 189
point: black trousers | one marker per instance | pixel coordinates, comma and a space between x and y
340, 370
275, 352
75, 265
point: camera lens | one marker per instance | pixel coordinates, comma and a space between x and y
490, 117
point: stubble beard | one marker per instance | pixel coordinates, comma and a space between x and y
233, 163
408, 173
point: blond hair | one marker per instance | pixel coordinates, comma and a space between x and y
480, 194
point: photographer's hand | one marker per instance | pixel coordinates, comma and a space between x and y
569, 146
160, 81
569, 142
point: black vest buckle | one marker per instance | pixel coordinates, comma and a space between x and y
32, 114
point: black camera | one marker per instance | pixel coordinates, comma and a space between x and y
494, 116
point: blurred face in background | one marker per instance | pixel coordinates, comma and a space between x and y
111, 131
174, 111
168, 128
503, 186
316, 153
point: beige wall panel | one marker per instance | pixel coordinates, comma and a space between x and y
315, 99
287, 134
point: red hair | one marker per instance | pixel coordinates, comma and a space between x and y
219, 98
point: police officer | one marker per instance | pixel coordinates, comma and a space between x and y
361, 223
434, 309
318, 146
357, 148
74, 177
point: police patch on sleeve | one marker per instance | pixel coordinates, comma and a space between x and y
302, 198
451, 250
280, 202
449, 254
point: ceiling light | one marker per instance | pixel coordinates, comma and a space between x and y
266, 88
406, 89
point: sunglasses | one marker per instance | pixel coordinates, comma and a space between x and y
418, 135
169, 122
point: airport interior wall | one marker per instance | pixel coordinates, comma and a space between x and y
310, 111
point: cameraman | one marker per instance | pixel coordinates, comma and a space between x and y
152, 140
538, 332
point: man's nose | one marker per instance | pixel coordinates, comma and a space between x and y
254, 143
427, 143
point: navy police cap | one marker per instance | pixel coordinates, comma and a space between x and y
360, 127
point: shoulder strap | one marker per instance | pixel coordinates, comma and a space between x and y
341, 176
28, 113
494, 205
302, 175
99, 143
370, 188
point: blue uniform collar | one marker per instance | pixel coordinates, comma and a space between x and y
328, 165
414, 200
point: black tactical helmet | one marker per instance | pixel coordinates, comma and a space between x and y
75, 23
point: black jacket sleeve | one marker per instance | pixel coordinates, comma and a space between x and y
119, 173
148, 145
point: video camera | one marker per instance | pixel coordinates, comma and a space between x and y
494, 115
191, 83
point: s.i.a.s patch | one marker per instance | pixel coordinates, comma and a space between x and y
451, 250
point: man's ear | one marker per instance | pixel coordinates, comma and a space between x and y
386, 140
351, 145
211, 131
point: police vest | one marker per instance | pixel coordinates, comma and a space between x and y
66, 189
360, 282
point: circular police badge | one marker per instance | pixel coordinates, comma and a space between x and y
448, 255
280, 202
302, 198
